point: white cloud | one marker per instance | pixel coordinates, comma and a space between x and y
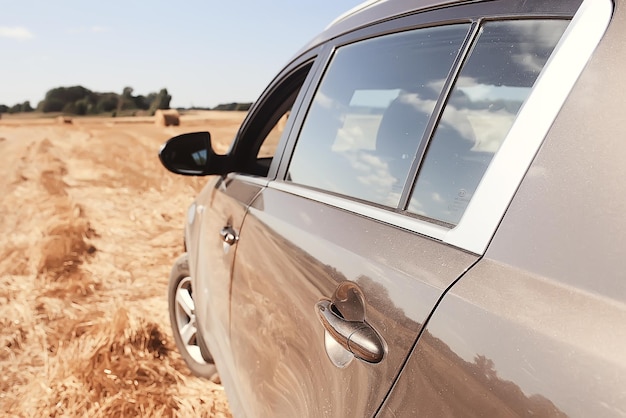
15, 32
324, 101
437, 197
98, 29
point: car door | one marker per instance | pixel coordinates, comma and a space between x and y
342, 259
536, 327
221, 207
330, 284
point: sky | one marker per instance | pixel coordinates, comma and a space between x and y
204, 52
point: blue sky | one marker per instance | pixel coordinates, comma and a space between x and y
204, 52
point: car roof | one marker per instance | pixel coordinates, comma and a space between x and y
373, 11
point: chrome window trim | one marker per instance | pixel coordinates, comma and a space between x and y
248, 178
364, 209
508, 167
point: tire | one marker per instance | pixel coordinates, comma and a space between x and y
186, 333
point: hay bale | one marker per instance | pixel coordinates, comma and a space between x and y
167, 117
64, 119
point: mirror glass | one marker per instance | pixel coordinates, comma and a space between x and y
187, 154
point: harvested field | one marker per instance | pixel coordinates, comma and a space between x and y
90, 225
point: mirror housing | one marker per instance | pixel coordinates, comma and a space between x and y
192, 154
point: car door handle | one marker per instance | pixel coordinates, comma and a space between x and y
229, 235
358, 337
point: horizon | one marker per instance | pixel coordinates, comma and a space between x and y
203, 53
35, 105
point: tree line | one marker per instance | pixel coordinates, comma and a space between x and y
233, 106
78, 100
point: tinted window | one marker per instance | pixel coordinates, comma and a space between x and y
370, 112
261, 133
492, 86
270, 143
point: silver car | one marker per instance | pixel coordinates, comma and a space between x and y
424, 214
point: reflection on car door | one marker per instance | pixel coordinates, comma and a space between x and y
294, 252
222, 206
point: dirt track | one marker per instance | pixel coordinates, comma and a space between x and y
90, 223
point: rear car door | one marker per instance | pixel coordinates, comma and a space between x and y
342, 259
536, 327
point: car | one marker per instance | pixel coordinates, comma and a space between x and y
422, 215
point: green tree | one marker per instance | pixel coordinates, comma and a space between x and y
233, 106
127, 92
126, 100
107, 102
61, 98
69, 108
243, 106
51, 105
161, 101
141, 102
151, 98
20, 107
81, 101
68, 94
82, 107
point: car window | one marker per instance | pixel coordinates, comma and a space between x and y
370, 113
491, 88
270, 143
261, 133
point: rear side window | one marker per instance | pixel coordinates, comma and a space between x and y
367, 135
371, 111
491, 88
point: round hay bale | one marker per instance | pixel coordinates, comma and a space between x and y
167, 117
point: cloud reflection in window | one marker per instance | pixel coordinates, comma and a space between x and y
370, 113
492, 87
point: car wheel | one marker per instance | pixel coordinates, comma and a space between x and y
182, 311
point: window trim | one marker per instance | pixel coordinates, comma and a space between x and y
322, 59
368, 209
433, 122
508, 167
510, 164
255, 125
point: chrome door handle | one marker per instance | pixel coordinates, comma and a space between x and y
229, 235
358, 337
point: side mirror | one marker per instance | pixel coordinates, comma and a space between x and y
191, 154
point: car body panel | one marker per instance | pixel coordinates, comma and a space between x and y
371, 13
536, 325
505, 343
222, 203
293, 252
565, 221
